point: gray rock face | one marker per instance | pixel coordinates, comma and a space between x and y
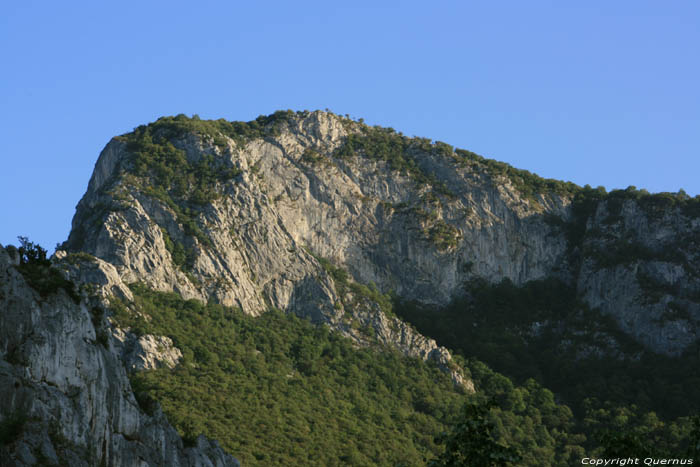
282, 208
368, 323
67, 390
146, 352
359, 214
378, 223
652, 283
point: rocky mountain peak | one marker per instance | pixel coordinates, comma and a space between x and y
334, 221
242, 213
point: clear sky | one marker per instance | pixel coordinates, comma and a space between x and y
598, 92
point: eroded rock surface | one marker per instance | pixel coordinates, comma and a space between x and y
294, 199
146, 352
283, 212
67, 390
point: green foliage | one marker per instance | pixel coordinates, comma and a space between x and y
38, 272
398, 151
102, 338
693, 449
446, 150
527, 183
339, 275
621, 252
585, 199
78, 257
101, 333
527, 419
616, 444
240, 132
156, 159
401, 152
11, 427
443, 235
147, 403
470, 443
606, 245
656, 205
31, 253
183, 257
277, 390
630, 432
382, 144
344, 284
541, 330
311, 157
435, 230
372, 293
166, 174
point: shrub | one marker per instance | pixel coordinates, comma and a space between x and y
38, 272
12, 426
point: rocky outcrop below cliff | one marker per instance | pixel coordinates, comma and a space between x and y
68, 400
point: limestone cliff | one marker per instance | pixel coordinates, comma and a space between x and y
640, 264
68, 400
413, 217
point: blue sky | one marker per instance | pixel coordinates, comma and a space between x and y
604, 93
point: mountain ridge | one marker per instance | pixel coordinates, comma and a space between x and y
336, 222
367, 199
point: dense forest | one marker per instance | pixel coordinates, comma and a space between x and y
541, 331
279, 390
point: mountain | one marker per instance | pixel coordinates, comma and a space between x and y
237, 213
191, 231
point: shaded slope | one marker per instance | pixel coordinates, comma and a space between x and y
277, 390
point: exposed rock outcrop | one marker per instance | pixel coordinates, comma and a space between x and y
420, 236
641, 266
146, 352
67, 396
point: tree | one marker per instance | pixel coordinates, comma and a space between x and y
470, 443
626, 444
694, 438
31, 253
39, 274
